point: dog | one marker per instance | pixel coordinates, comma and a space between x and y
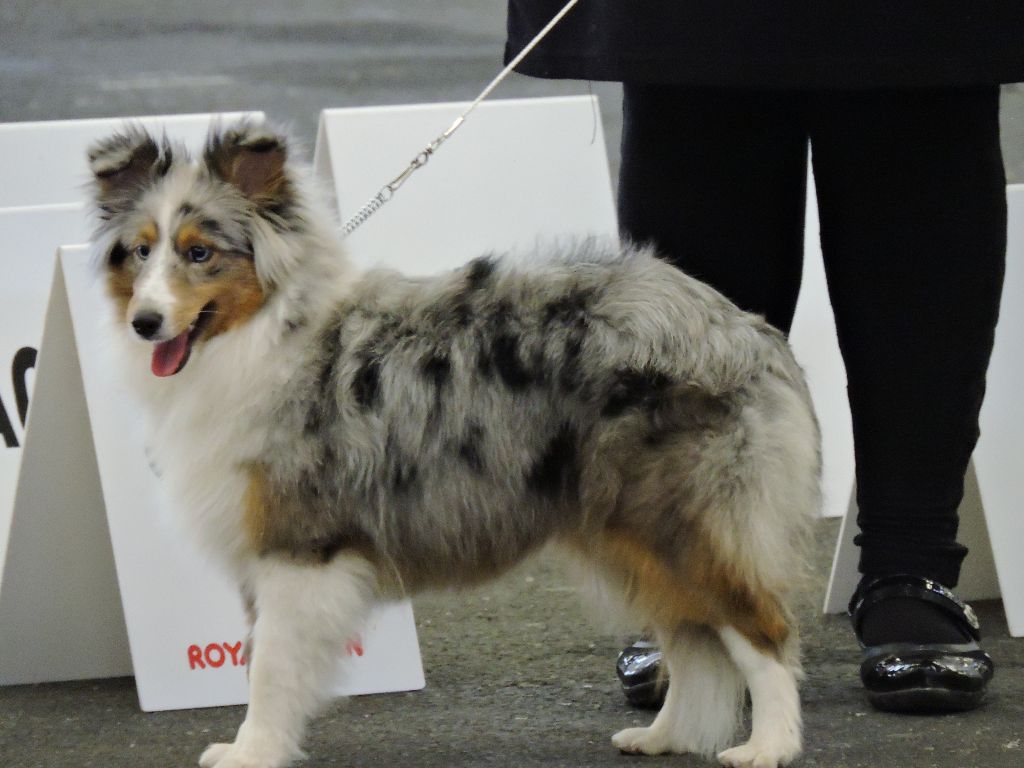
343, 437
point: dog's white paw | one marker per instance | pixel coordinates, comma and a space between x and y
753, 755
212, 755
643, 741
231, 756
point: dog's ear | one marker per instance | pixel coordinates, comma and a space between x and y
251, 159
123, 163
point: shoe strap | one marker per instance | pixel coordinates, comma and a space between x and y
904, 585
911, 651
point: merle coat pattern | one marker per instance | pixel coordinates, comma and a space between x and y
340, 437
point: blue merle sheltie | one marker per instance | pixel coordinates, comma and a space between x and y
342, 437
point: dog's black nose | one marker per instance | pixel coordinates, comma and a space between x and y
146, 324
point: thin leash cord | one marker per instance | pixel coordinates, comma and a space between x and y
388, 190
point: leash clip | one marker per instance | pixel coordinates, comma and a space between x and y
417, 162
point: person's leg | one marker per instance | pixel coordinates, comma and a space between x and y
716, 180
913, 227
913, 224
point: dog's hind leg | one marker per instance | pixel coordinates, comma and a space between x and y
705, 691
703, 701
771, 676
304, 614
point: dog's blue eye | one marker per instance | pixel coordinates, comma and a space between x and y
142, 251
197, 254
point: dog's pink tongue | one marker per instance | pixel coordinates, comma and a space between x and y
169, 356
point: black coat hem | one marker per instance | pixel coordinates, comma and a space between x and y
868, 75
787, 44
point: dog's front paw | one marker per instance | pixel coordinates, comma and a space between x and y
758, 755
642, 741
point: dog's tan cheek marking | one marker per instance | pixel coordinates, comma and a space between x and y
235, 290
246, 293
120, 282
699, 591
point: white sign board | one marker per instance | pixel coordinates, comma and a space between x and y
44, 163
517, 174
30, 237
60, 611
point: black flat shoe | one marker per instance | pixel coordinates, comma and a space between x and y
638, 668
921, 677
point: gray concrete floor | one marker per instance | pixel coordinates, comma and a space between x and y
517, 675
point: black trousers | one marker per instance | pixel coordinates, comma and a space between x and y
912, 204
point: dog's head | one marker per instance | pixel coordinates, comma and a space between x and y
183, 239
